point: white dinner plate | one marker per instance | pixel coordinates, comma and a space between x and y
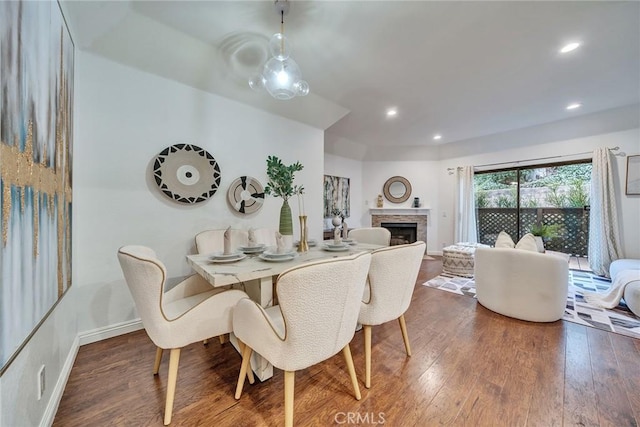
288, 257
252, 249
336, 248
273, 254
310, 242
225, 260
221, 255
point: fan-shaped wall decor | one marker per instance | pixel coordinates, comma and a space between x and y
186, 173
246, 195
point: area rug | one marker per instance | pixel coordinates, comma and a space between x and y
619, 319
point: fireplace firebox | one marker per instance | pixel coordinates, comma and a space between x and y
402, 233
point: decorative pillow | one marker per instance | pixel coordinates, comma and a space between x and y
528, 243
504, 241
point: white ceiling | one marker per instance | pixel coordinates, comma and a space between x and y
461, 69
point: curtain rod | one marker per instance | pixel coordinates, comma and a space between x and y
516, 162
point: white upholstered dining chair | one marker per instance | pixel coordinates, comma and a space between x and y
391, 280
373, 235
316, 318
210, 241
189, 312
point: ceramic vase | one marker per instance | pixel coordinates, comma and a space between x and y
286, 223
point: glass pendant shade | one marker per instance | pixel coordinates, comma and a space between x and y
280, 75
279, 46
282, 79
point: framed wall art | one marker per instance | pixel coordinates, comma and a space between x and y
633, 175
336, 196
36, 132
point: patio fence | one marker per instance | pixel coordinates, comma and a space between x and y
573, 223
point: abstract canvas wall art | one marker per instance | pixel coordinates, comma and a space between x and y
36, 130
336, 196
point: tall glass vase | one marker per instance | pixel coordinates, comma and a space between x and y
303, 246
286, 223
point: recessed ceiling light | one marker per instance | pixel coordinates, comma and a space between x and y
569, 47
437, 137
574, 106
392, 112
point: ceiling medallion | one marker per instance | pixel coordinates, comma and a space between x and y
186, 173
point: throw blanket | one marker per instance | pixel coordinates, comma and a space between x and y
612, 298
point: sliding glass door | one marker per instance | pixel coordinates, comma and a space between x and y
549, 200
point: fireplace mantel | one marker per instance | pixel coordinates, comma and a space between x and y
399, 211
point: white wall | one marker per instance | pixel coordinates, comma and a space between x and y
125, 118
52, 346
352, 169
629, 206
423, 178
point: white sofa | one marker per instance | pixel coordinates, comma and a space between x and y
632, 290
522, 284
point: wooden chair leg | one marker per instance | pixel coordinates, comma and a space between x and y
156, 364
174, 361
405, 336
205, 342
346, 351
367, 355
246, 358
289, 381
249, 370
223, 338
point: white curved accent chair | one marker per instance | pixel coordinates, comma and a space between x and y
316, 318
189, 312
522, 284
391, 280
372, 235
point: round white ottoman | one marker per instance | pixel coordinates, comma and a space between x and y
631, 291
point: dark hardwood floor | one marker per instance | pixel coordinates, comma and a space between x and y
470, 366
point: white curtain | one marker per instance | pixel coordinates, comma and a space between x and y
604, 234
465, 207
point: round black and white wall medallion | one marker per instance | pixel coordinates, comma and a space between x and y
246, 195
186, 173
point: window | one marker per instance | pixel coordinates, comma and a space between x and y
522, 200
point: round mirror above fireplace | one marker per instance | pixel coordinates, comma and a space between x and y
397, 189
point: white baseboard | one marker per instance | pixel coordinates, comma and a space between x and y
436, 253
82, 338
58, 390
99, 334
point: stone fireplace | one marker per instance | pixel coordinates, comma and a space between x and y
406, 225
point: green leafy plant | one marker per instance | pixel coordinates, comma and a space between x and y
546, 231
482, 199
578, 195
281, 178
555, 198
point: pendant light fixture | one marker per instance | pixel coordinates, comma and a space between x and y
280, 75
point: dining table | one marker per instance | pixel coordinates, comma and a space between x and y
255, 274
